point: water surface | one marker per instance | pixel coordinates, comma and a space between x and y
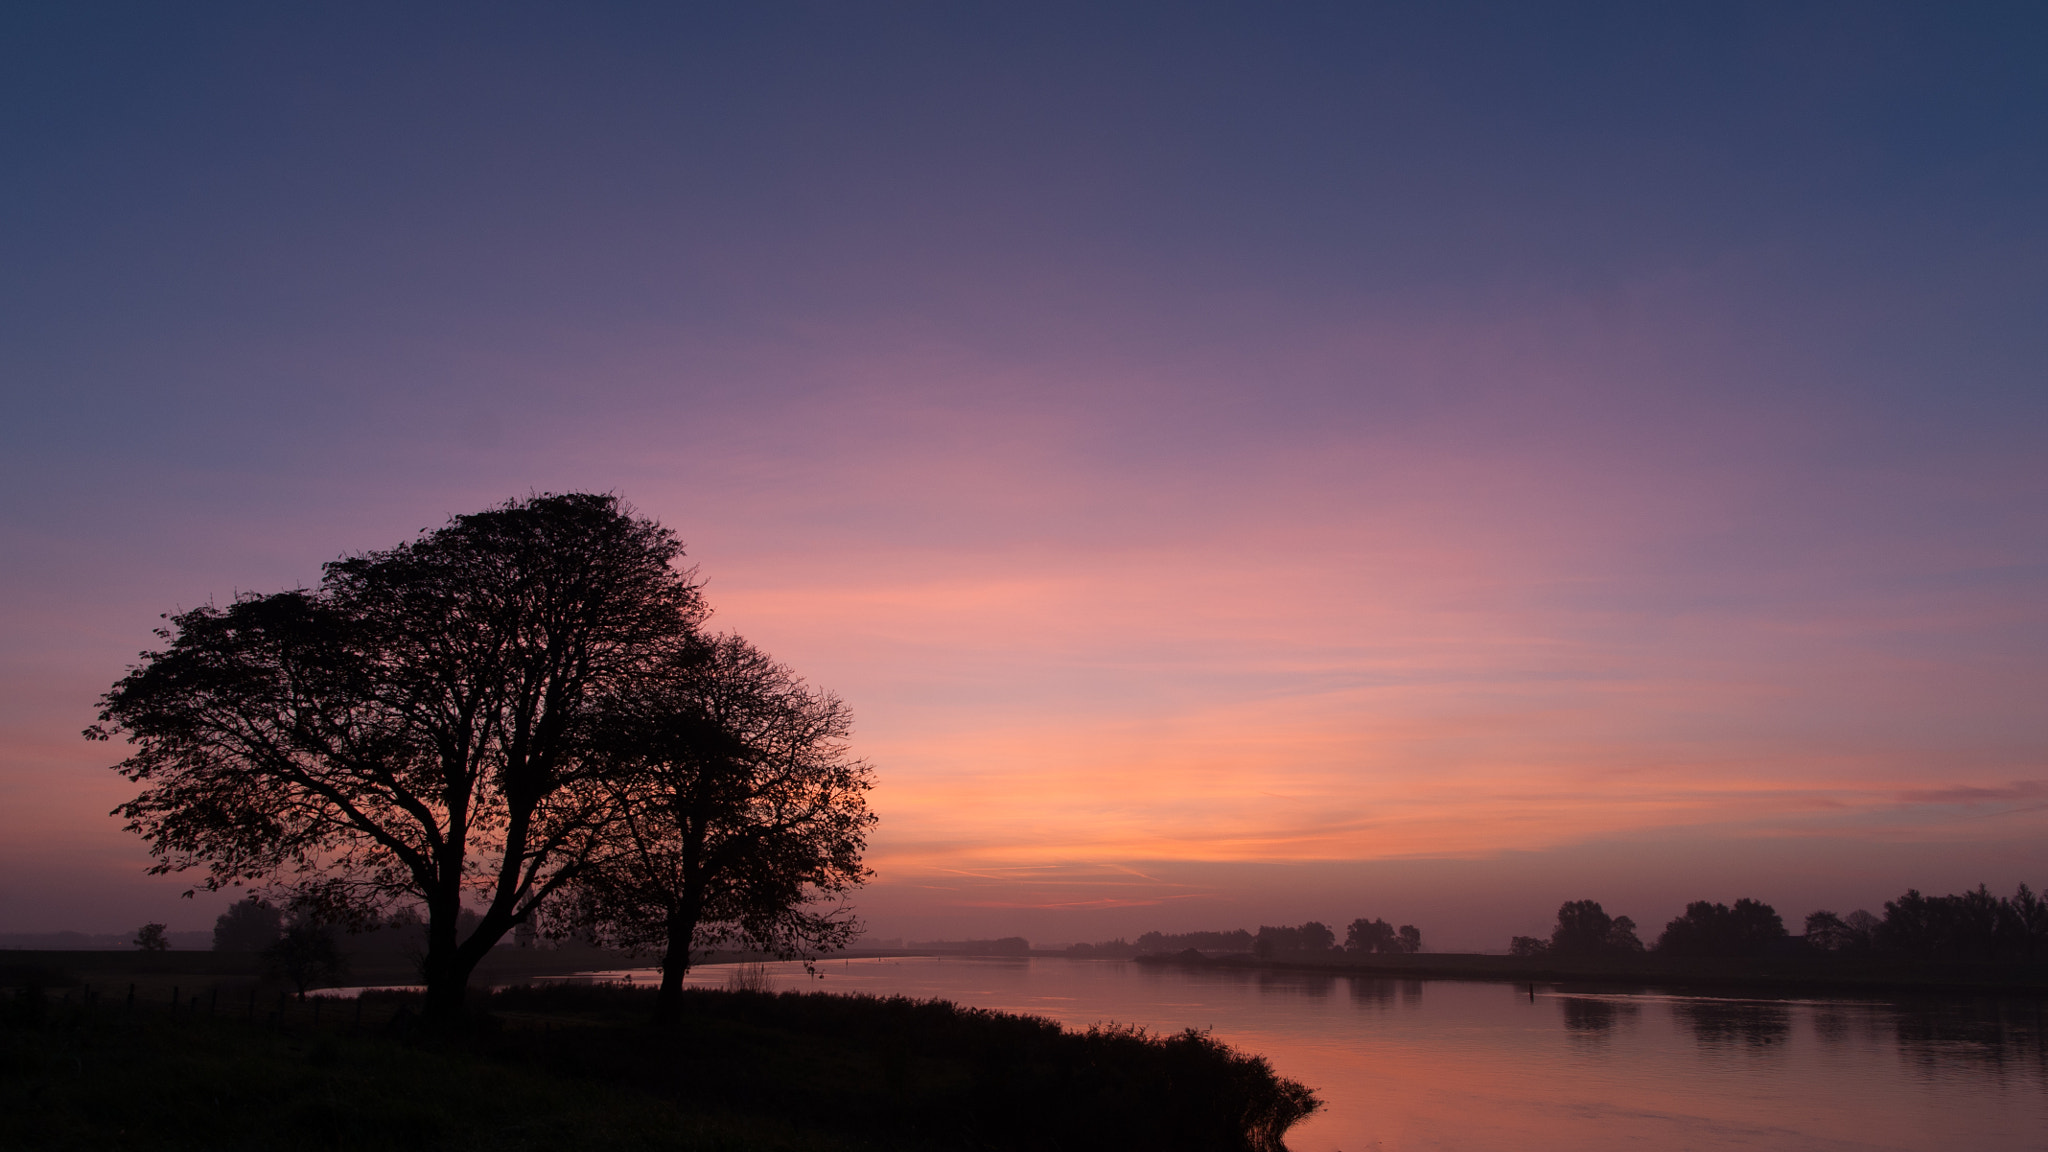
1503, 1068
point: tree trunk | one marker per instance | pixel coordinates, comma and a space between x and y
675, 964
445, 969
447, 980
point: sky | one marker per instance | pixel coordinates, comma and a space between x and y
1239, 463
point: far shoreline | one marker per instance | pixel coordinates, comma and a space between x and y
1770, 975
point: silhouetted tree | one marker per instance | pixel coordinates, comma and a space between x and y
1750, 928
249, 925
1585, 929
1311, 939
1117, 949
1528, 946
1369, 936
2023, 923
1377, 936
151, 938
1234, 941
739, 812
1827, 932
307, 953
1934, 927
418, 728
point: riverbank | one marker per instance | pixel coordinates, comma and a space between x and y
155, 974
575, 1067
1771, 975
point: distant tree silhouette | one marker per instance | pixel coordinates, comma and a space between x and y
1234, 941
1750, 928
417, 729
151, 938
249, 925
2023, 924
1313, 939
1827, 932
1528, 946
1585, 929
740, 814
1365, 937
1962, 926
1369, 936
307, 954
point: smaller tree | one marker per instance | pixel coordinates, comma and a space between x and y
1583, 928
738, 813
1621, 936
1311, 939
151, 938
307, 954
1377, 936
1528, 947
250, 925
1827, 932
1962, 926
1366, 937
2023, 923
1708, 929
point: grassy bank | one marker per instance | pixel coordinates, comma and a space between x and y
572, 1068
1769, 975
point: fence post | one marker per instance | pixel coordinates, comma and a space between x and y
131, 995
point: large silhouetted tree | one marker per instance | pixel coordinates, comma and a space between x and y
741, 814
421, 727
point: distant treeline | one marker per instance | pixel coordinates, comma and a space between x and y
1972, 925
1006, 946
1311, 940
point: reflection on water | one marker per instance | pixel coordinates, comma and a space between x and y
1736, 1023
1588, 1017
1406, 1064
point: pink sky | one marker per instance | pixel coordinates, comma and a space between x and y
1321, 465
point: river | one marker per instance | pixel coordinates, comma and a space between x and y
1482, 1067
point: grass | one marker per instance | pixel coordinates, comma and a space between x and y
575, 1067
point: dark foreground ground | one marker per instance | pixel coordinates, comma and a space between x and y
1794, 974
577, 1068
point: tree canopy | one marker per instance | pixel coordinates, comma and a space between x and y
424, 726
741, 813
1750, 928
